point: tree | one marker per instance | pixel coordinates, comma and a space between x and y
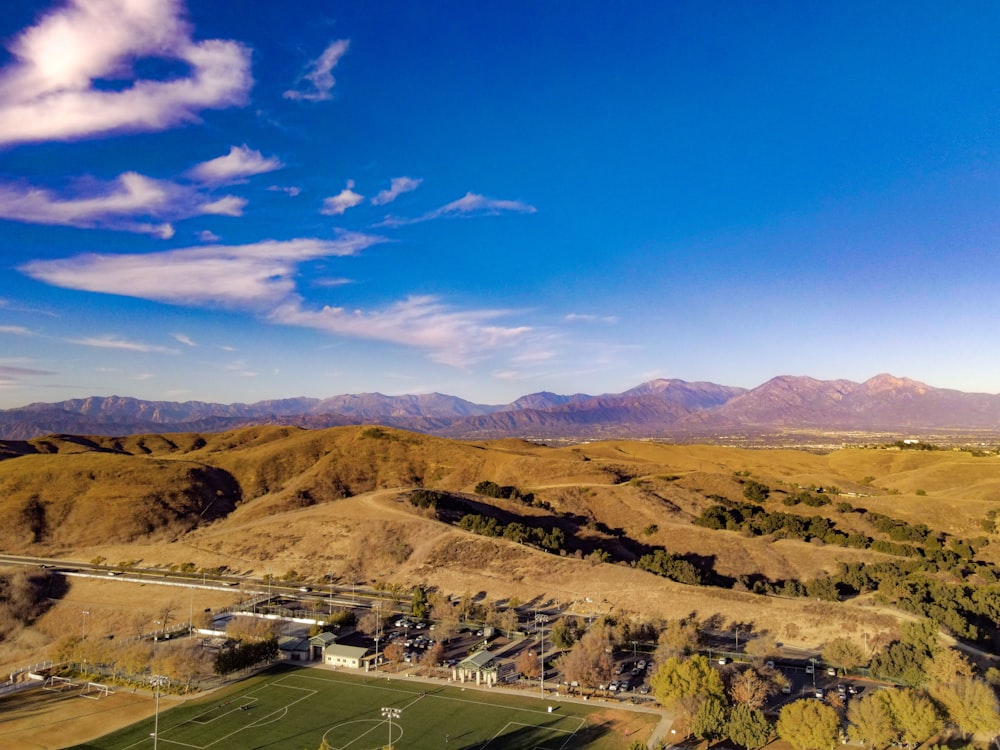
761, 647
843, 653
747, 688
971, 704
749, 727
913, 715
419, 606
432, 657
394, 653
756, 492
565, 632
870, 721
808, 724
710, 720
677, 638
677, 679
528, 664
589, 661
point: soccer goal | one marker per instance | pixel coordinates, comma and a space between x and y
58, 684
95, 691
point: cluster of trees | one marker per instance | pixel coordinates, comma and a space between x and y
755, 519
712, 708
553, 539
806, 498
674, 567
244, 655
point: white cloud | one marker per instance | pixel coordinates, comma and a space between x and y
473, 203
397, 187
186, 340
336, 205
261, 278
132, 203
115, 342
229, 205
48, 92
587, 318
105, 205
241, 276
320, 75
290, 190
470, 204
17, 331
239, 163
453, 337
206, 235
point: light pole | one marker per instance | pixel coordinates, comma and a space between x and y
540, 619
378, 625
329, 577
737, 639
390, 714
83, 632
157, 680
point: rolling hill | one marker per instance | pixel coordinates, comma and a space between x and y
607, 526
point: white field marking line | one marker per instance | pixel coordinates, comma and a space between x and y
275, 715
198, 720
505, 727
378, 725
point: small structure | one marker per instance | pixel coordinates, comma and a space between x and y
294, 649
336, 655
481, 666
318, 643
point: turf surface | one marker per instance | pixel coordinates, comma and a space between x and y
300, 708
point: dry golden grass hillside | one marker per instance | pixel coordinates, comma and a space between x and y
288, 501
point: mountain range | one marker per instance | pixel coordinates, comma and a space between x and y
662, 408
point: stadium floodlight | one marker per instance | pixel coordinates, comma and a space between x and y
157, 681
391, 713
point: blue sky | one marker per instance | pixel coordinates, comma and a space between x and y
227, 201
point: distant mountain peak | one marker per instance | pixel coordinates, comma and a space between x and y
659, 408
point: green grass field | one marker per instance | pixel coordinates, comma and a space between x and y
300, 708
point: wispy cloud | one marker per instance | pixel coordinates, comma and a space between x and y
336, 205
12, 377
49, 92
186, 340
229, 205
470, 204
454, 337
131, 203
206, 235
289, 190
109, 205
319, 78
115, 342
240, 276
261, 278
587, 318
7, 304
17, 331
397, 187
241, 162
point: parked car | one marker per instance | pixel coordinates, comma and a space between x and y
810, 669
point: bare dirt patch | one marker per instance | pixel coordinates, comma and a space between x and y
43, 720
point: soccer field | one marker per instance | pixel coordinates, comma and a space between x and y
300, 709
